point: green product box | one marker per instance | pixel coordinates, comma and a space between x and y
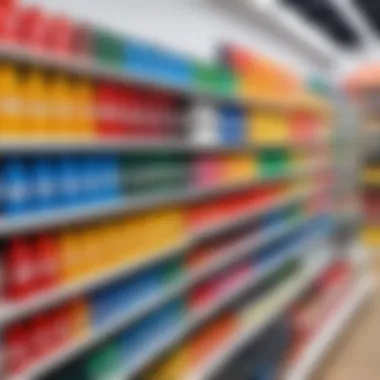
273, 162
148, 174
174, 272
108, 48
104, 362
215, 79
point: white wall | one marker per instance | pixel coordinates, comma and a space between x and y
195, 27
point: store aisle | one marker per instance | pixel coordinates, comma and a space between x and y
358, 355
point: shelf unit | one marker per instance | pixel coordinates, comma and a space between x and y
12, 312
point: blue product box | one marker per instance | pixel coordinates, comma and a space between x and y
15, 189
43, 184
69, 181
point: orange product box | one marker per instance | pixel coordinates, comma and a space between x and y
79, 315
211, 338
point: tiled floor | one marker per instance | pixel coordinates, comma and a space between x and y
357, 355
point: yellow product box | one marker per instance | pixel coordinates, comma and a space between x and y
62, 107
10, 102
148, 236
94, 237
121, 243
163, 226
85, 245
177, 226
179, 232
129, 240
168, 228
109, 244
151, 234
71, 258
84, 103
137, 225
261, 127
278, 128
35, 115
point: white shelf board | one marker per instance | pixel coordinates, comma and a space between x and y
319, 346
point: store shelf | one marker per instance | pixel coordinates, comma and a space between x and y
148, 306
151, 355
87, 68
72, 145
15, 311
319, 347
74, 215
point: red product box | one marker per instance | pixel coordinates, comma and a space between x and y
59, 36
47, 261
18, 355
19, 270
132, 112
32, 28
40, 336
107, 106
60, 327
9, 21
82, 41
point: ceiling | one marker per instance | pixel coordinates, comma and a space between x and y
371, 10
326, 16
